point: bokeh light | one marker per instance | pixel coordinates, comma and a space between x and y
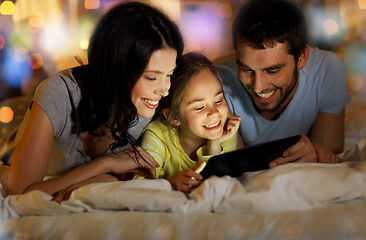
200, 26
330, 27
55, 37
21, 54
7, 8
15, 67
84, 43
37, 20
356, 83
35, 61
55, 15
355, 57
224, 10
362, 4
2, 42
92, 4
6, 114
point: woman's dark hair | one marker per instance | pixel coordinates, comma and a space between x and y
119, 51
262, 23
189, 65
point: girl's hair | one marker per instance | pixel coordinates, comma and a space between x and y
188, 66
119, 51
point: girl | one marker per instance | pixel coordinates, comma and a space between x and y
196, 125
83, 122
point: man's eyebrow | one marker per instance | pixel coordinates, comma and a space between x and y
270, 68
274, 67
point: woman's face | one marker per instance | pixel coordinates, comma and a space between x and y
154, 82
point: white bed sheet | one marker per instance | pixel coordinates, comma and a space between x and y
297, 201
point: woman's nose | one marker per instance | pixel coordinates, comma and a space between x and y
163, 87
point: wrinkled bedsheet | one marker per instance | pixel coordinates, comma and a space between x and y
296, 186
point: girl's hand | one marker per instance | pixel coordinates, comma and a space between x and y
230, 129
130, 161
187, 180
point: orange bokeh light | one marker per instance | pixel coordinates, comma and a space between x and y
6, 114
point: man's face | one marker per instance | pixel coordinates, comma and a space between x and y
269, 75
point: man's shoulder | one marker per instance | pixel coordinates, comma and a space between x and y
320, 59
227, 70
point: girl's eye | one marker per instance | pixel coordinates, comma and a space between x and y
218, 102
198, 109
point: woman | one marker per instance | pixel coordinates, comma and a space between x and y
83, 122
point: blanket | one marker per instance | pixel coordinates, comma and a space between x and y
294, 186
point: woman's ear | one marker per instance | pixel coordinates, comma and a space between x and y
172, 119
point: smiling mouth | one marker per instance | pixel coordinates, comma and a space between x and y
209, 126
266, 95
151, 102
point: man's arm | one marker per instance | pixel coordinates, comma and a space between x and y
326, 139
328, 131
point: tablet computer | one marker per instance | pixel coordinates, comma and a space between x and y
247, 159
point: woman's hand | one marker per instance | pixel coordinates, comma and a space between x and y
187, 180
130, 161
66, 193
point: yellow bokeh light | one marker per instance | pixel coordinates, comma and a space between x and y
362, 4
37, 20
92, 4
84, 44
7, 8
6, 114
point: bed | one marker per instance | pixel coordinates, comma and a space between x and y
294, 201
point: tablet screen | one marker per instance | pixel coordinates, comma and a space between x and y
248, 159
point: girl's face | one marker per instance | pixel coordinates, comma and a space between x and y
154, 83
203, 109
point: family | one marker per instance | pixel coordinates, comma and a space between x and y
140, 108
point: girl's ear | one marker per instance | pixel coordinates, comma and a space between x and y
172, 119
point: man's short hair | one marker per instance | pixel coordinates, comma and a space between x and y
263, 23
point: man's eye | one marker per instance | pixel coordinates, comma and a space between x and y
271, 72
245, 70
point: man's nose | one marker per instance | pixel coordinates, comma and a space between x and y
260, 83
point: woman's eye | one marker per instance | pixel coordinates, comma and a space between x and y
151, 78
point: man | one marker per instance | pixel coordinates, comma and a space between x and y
282, 87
